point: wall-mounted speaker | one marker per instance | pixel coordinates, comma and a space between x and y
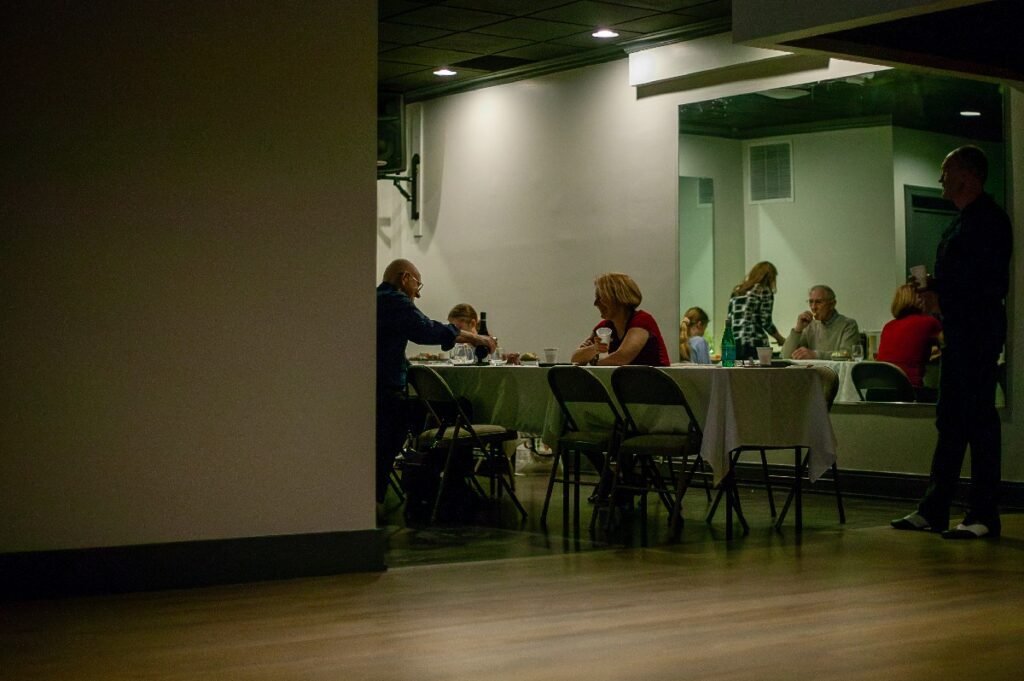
390, 133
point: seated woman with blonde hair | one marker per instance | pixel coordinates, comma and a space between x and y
907, 340
692, 346
635, 337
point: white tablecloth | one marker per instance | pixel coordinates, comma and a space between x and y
748, 406
847, 390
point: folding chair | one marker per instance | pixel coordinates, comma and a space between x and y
650, 401
882, 382
455, 435
830, 386
576, 389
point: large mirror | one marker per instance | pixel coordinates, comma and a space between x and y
835, 182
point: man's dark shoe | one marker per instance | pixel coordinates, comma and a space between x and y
915, 522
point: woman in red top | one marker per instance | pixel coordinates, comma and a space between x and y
635, 337
907, 340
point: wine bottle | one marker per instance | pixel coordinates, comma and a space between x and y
728, 346
481, 350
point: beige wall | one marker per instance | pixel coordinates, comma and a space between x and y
187, 260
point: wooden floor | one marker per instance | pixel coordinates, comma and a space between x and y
859, 601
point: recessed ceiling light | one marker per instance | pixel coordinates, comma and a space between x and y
444, 71
970, 113
605, 33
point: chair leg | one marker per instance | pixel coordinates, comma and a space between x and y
393, 483
795, 494
445, 476
551, 488
839, 495
707, 480
684, 484
734, 456
767, 481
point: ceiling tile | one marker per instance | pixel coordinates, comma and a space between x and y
590, 13
542, 51
475, 42
450, 18
709, 10
660, 5
389, 8
530, 29
391, 69
657, 22
407, 35
516, 8
412, 54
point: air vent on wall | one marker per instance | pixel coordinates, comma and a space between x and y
771, 172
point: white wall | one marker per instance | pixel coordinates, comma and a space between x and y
838, 228
186, 266
533, 189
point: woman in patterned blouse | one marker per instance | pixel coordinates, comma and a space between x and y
750, 311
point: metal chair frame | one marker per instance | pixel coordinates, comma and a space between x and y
648, 386
801, 456
573, 385
454, 431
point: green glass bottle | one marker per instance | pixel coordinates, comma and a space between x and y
728, 346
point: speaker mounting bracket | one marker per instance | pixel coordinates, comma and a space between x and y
413, 193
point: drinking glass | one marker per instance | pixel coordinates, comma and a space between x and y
463, 353
858, 353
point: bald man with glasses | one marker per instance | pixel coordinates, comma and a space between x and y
399, 321
821, 330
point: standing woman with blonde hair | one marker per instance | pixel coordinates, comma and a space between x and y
750, 310
635, 337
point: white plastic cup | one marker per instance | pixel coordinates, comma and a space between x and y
604, 335
764, 355
550, 355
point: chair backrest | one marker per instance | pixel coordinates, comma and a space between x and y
881, 382
575, 385
644, 385
437, 396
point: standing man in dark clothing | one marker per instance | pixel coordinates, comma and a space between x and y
971, 280
398, 322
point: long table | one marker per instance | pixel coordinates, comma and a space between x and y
735, 407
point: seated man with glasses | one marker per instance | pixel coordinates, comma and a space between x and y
821, 330
399, 321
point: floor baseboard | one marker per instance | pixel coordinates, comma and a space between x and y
189, 564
